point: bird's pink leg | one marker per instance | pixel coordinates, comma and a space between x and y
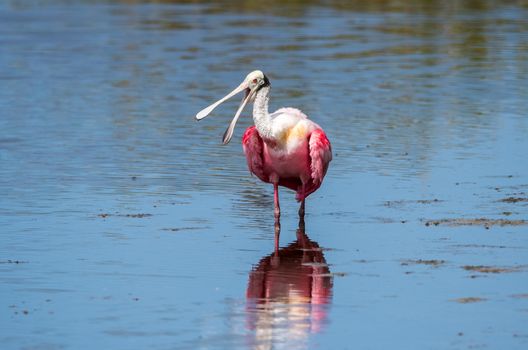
301, 192
301, 216
277, 214
301, 210
276, 200
277, 236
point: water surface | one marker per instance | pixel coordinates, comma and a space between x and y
126, 224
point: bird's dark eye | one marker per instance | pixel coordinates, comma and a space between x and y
254, 81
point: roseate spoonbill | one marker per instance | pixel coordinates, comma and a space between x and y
284, 148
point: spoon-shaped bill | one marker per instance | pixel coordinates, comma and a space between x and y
207, 110
229, 131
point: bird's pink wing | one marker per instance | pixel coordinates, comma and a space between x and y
320, 155
253, 148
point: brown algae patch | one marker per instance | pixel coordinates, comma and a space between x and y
178, 229
487, 223
9, 261
139, 215
433, 262
468, 300
520, 296
491, 269
398, 203
514, 200
339, 274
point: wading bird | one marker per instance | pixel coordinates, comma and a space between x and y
284, 148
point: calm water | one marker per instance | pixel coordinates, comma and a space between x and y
126, 225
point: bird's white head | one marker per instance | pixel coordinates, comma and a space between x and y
253, 82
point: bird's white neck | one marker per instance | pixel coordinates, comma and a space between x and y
261, 116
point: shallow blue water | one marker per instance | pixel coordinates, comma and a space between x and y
125, 224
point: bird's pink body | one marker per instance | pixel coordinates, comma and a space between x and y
295, 155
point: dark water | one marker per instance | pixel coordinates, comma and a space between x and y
126, 225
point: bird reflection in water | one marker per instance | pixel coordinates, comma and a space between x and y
288, 295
